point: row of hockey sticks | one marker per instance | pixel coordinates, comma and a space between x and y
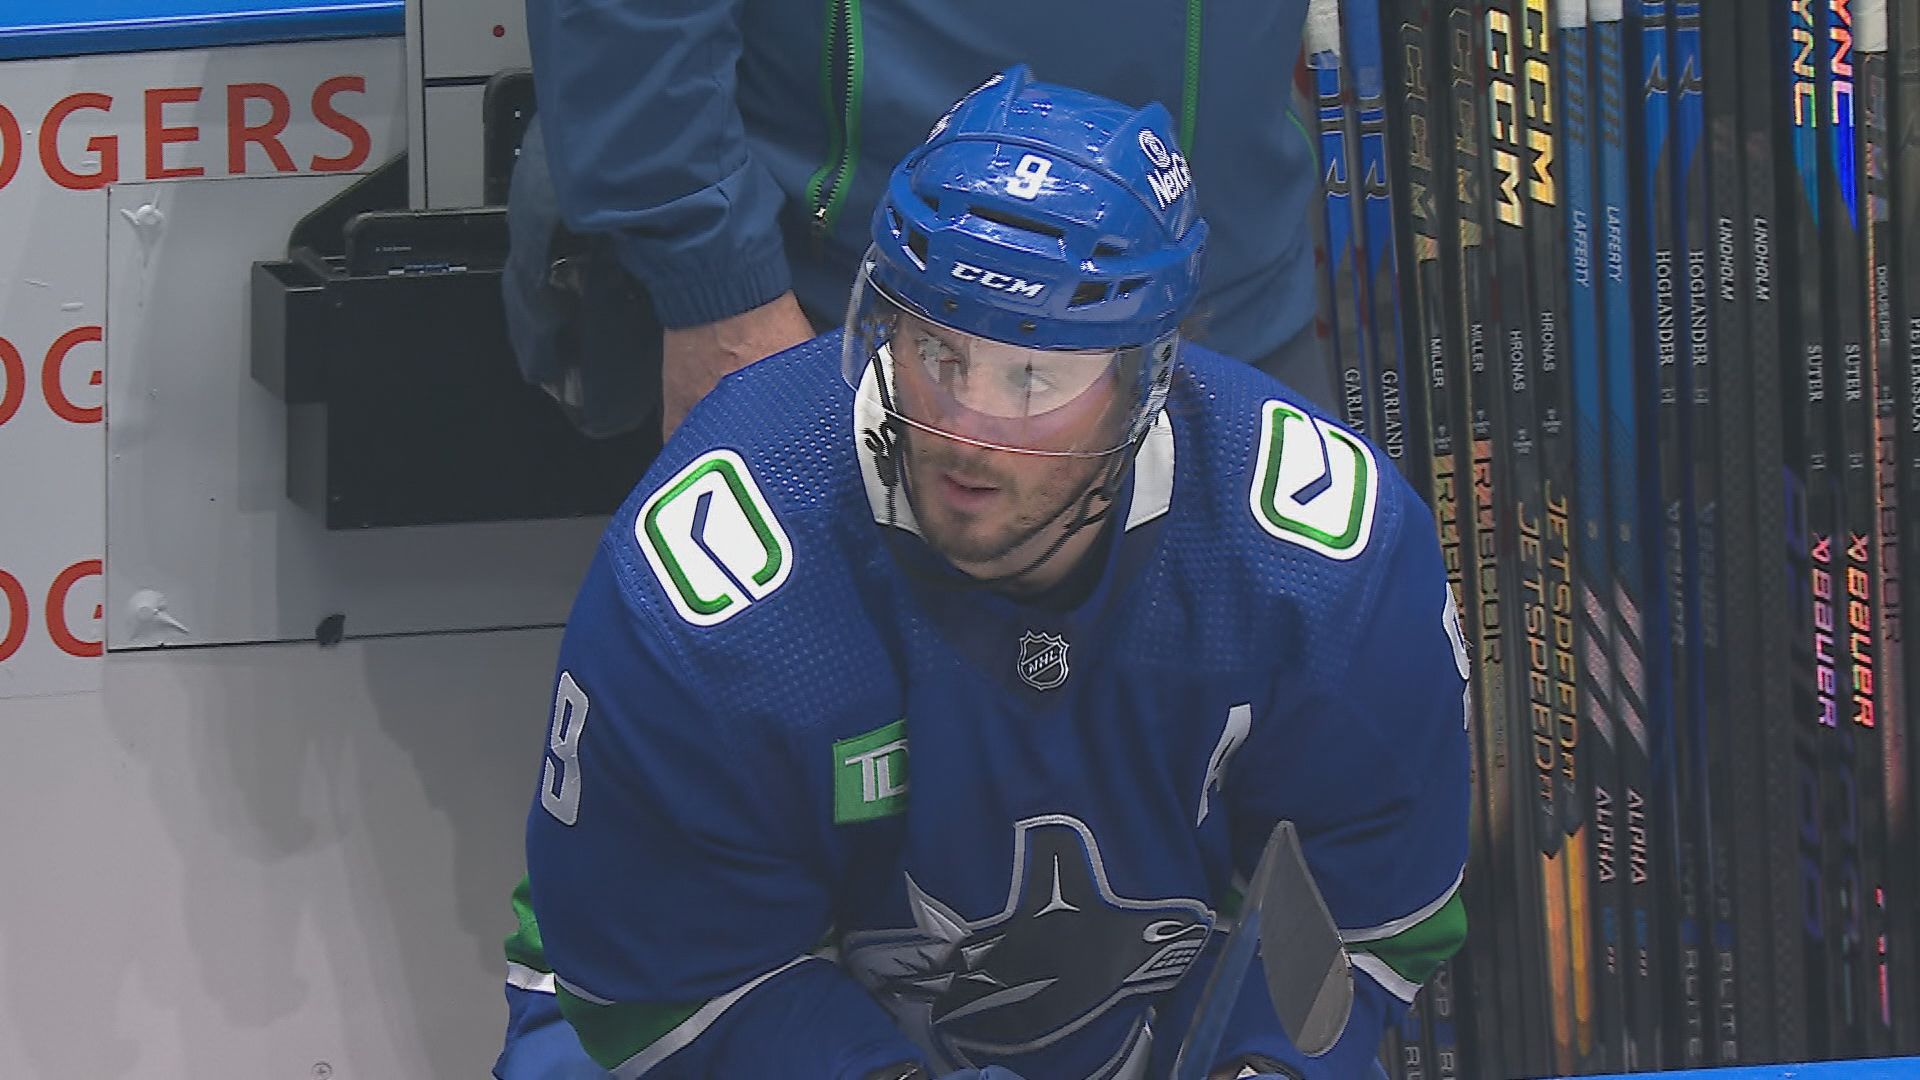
1584, 376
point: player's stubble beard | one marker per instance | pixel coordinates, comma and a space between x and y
1036, 500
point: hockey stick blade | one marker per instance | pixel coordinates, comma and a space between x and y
1309, 977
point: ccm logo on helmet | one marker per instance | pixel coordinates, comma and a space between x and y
993, 279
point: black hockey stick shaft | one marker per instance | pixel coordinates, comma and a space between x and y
1509, 1022
1853, 743
1518, 488
1690, 498
1780, 582
1416, 68
1820, 793
1891, 973
1729, 555
1903, 383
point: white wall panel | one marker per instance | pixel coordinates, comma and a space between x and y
247, 861
70, 130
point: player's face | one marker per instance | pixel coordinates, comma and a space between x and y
991, 509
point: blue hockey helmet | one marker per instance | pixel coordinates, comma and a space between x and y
1041, 245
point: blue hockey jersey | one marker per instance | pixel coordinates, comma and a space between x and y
812, 803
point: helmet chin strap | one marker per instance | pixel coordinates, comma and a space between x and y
1107, 489
1089, 508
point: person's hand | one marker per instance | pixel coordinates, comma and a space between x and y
695, 358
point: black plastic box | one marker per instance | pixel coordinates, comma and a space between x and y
404, 403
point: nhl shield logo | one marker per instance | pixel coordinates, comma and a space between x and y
1043, 660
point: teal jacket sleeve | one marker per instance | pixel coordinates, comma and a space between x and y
645, 142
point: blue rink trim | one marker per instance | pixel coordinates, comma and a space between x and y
1876, 1069
37, 29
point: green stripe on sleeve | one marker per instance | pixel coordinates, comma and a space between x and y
1414, 952
626, 1039
613, 1034
523, 945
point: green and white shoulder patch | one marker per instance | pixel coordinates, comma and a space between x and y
1314, 484
713, 540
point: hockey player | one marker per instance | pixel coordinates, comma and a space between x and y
923, 703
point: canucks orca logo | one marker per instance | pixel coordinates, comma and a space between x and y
1064, 951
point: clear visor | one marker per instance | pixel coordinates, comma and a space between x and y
1055, 402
